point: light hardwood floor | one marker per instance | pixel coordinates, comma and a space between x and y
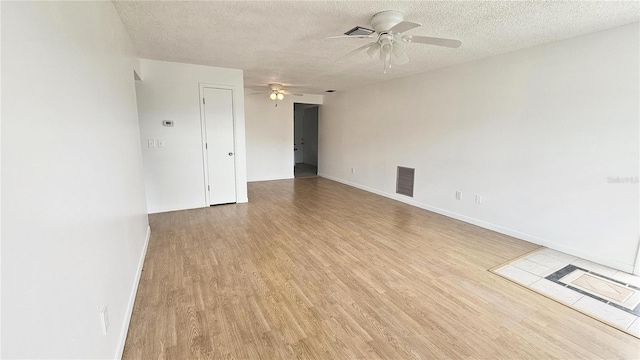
311, 268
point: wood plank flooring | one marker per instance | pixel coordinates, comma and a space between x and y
314, 269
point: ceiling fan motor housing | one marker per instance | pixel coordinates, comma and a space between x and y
383, 21
386, 39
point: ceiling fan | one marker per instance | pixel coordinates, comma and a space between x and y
276, 92
388, 28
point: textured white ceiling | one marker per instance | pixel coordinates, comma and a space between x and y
284, 42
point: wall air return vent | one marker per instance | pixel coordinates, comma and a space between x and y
404, 181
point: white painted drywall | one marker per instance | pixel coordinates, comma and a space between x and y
270, 135
174, 174
310, 133
73, 207
537, 133
0, 186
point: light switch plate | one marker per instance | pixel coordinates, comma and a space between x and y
104, 316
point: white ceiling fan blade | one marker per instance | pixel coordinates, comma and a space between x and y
361, 48
433, 41
373, 50
404, 26
401, 59
261, 92
350, 36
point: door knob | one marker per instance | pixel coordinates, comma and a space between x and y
230, 154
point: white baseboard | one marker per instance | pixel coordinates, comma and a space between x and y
239, 200
497, 228
168, 209
288, 177
132, 298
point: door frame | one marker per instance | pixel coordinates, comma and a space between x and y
307, 106
203, 138
294, 134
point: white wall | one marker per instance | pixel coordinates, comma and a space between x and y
270, 135
174, 174
73, 207
536, 132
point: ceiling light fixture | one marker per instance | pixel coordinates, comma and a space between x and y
276, 94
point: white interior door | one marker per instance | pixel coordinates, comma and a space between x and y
220, 149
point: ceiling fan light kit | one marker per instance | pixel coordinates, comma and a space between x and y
276, 95
391, 43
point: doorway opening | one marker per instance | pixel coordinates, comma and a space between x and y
305, 140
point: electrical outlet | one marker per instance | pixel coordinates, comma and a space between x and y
104, 317
478, 199
458, 195
150, 143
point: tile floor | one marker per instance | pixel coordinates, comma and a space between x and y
548, 272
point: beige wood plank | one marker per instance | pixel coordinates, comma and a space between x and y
314, 269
